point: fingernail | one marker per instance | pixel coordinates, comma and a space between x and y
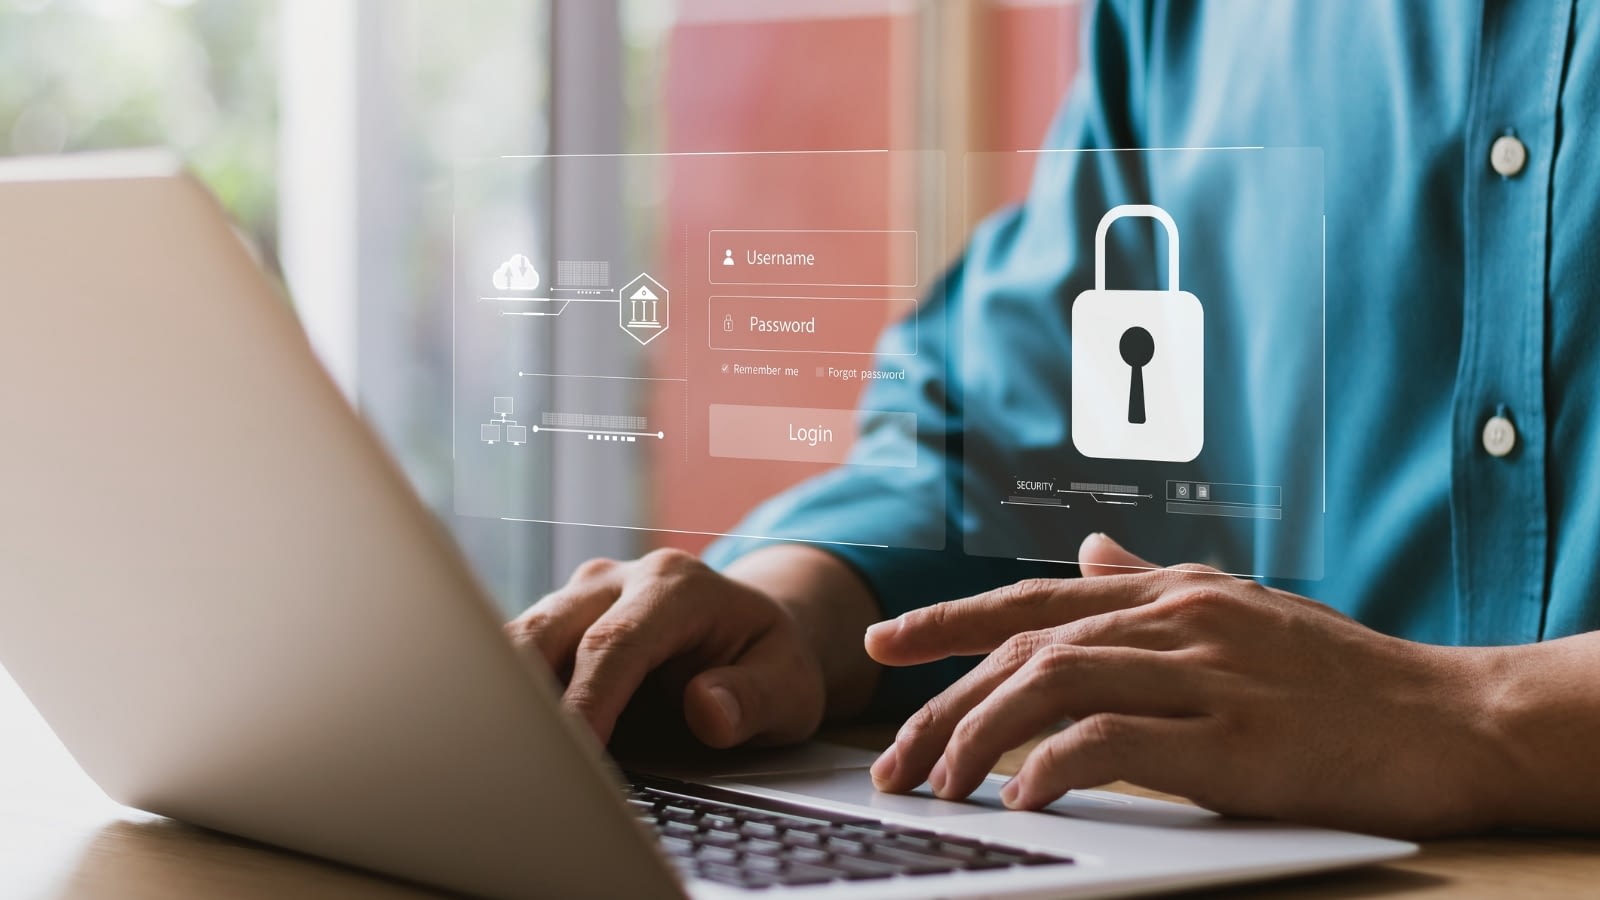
885, 629
726, 702
937, 777
1008, 794
883, 769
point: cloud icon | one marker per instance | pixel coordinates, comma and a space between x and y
516, 274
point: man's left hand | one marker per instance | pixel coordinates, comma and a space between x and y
1248, 700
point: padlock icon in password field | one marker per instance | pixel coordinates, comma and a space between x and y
727, 322
1138, 361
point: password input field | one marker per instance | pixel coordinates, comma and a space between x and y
806, 324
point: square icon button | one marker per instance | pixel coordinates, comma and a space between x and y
1182, 489
1202, 492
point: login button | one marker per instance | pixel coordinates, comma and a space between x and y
804, 434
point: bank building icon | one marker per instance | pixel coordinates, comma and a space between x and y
644, 310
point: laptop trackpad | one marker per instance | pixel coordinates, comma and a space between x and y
854, 786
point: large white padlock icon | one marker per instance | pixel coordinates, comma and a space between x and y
1138, 361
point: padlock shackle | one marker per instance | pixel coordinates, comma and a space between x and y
1139, 210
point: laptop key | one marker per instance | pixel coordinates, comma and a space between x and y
680, 829
730, 875
719, 838
762, 848
861, 833
982, 864
717, 855
759, 830
914, 842
857, 869
795, 837
676, 846
767, 864
846, 846
800, 873
810, 856
914, 863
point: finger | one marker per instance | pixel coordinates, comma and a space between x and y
922, 739
636, 635
756, 699
554, 625
1173, 755
980, 624
1100, 555
1062, 681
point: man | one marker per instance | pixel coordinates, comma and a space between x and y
1450, 684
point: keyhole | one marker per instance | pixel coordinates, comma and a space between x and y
1138, 348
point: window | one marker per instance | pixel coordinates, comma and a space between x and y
334, 132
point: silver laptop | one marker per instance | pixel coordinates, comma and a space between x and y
233, 610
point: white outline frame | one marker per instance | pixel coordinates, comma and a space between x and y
916, 256
916, 326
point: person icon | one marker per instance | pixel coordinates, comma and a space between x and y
727, 257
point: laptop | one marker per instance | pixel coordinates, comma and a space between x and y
231, 607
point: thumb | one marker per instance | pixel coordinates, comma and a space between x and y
770, 695
1100, 555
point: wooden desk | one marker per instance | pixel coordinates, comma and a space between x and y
61, 839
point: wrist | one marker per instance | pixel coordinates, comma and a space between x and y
830, 608
1483, 750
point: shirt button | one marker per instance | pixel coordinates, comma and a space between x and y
1508, 156
1499, 436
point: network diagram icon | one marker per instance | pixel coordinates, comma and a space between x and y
491, 432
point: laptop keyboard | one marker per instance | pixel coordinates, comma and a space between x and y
755, 843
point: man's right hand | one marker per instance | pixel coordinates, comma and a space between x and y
754, 675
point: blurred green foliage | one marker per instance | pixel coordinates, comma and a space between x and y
199, 77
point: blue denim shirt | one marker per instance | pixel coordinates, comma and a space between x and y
1458, 290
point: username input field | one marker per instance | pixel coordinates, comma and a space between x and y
819, 257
